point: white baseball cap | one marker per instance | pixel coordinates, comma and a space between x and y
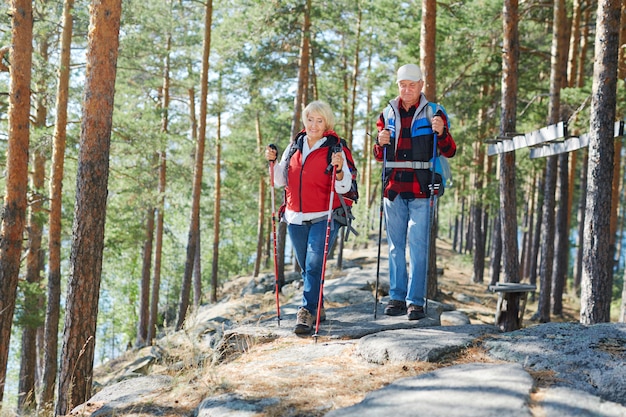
409, 72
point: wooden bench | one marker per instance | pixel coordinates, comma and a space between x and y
508, 287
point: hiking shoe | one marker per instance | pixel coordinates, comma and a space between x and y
304, 321
416, 312
395, 308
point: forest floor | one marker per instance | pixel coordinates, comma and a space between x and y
305, 387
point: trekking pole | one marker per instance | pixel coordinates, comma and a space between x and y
276, 288
329, 220
380, 230
431, 217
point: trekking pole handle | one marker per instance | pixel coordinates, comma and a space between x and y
336, 148
274, 148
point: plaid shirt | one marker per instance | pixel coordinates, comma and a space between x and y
404, 181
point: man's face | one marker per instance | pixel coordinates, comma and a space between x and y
410, 91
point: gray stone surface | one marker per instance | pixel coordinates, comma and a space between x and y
231, 405
123, 395
561, 401
472, 390
427, 345
587, 358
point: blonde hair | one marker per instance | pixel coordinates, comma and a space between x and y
323, 109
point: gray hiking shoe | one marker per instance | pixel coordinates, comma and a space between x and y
395, 308
416, 312
304, 321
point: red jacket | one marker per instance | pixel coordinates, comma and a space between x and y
308, 184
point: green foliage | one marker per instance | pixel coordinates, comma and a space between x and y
29, 313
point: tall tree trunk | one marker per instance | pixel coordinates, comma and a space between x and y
26, 399
561, 244
51, 327
428, 32
574, 44
301, 98
81, 315
197, 174
531, 228
477, 215
355, 74
582, 208
617, 168
261, 213
584, 42
366, 178
197, 273
548, 226
216, 210
496, 250
559, 274
158, 249
16, 171
596, 279
158, 235
508, 206
144, 296
537, 233
621, 71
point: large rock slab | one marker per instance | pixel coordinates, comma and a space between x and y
424, 344
586, 358
116, 399
471, 390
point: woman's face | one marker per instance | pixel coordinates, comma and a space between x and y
315, 126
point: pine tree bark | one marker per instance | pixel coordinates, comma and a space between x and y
495, 265
582, 207
584, 42
478, 208
561, 244
158, 235
508, 204
262, 197
51, 326
33, 300
596, 278
197, 176
574, 44
14, 208
621, 70
79, 333
428, 33
537, 233
548, 221
158, 250
144, 295
216, 210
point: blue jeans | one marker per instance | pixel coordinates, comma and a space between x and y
407, 219
308, 241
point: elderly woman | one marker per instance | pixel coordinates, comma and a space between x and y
303, 171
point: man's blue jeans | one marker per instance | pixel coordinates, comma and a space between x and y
308, 241
407, 219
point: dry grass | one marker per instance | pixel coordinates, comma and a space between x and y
313, 387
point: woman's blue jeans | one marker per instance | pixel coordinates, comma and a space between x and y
308, 241
407, 219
